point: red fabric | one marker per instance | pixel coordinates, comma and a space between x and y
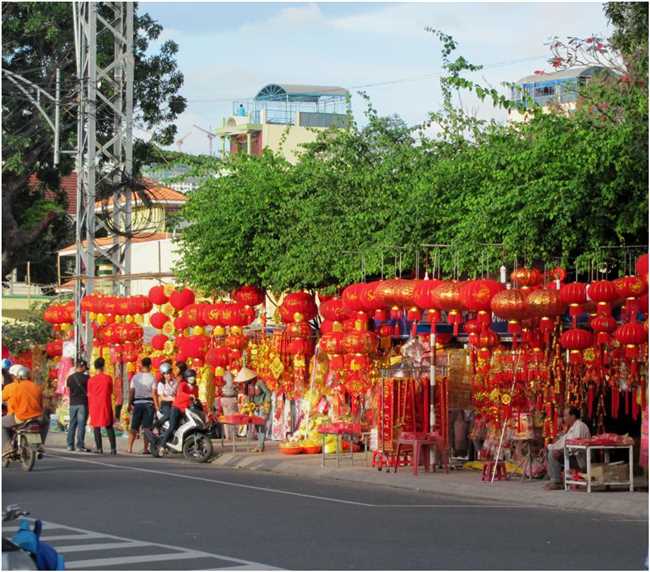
184, 394
100, 404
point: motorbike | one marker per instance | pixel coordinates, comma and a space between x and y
25, 446
191, 438
25, 551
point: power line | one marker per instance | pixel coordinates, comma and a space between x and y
383, 83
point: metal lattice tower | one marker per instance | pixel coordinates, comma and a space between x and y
104, 145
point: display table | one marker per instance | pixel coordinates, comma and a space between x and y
239, 419
588, 448
342, 431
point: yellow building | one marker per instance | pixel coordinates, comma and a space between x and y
282, 117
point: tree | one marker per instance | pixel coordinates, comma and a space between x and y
30, 331
37, 39
555, 189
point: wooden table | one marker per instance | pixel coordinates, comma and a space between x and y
606, 450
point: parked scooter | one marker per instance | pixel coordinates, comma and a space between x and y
26, 445
25, 551
191, 439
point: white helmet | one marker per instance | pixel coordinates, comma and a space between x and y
13, 370
165, 367
22, 372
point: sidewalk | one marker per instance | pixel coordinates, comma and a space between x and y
463, 484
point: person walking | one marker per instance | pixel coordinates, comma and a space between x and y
141, 403
100, 406
77, 385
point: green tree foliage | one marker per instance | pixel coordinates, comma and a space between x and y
32, 330
554, 189
38, 38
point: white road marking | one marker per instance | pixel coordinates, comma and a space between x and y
50, 538
103, 562
100, 546
219, 482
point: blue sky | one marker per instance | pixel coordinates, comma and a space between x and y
230, 50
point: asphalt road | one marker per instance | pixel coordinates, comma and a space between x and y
132, 513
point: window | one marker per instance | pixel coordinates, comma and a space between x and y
544, 91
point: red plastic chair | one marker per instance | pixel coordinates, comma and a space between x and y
421, 444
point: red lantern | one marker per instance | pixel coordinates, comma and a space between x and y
334, 309
544, 304
603, 325
414, 314
446, 297
328, 326
180, 323
192, 314
181, 298
158, 341
395, 292
476, 295
423, 293
485, 339
217, 356
331, 343
158, 320
298, 307
249, 295
139, 305
576, 341
574, 295
359, 342
631, 333
527, 277
299, 330
558, 273
603, 292
122, 306
193, 346
336, 362
157, 295
385, 331
300, 346
511, 305
236, 341
54, 348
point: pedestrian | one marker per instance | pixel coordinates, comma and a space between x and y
165, 392
186, 394
100, 406
77, 385
141, 404
262, 401
181, 366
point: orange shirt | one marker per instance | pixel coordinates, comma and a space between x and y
24, 399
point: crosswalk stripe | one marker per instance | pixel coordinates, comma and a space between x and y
90, 536
100, 546
103, 562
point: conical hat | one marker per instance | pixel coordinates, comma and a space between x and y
244, 375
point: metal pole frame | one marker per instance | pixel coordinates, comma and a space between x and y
100, 156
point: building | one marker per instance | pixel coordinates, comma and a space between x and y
558, 91
282, 117
175, 177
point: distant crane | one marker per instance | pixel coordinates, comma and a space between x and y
179, 142
211, 137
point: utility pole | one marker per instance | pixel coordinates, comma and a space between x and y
104, 146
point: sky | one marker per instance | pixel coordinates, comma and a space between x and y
229, 51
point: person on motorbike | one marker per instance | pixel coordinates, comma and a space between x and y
24, 400
186, 393
165, 393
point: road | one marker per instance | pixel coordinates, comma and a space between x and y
136, 513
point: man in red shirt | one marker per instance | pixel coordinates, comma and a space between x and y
186, 393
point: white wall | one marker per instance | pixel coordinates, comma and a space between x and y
155, 256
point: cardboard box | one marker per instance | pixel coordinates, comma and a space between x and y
601, 473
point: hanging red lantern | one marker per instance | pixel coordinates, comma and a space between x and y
193, 346
423, 293
381, 315
396, 292
527, 277
631, 333
359, 342
236, 341
544, 303
574, 295
180, 323
641, 267
217, 356
300, 346
351, 297
158, 320
485, 339
385, 331
249, 295
88, 303
109, 305
336, 362
558, 273
334, 309
157, 295
193, 315
472, 326
158, 341
298, 307
576, 341
446, 296
414, 314
331, 343
603, 292
211, 315
139, 305
122, 306
511, 305
181, 298
299, 330
54, 348
369, 299
603, 325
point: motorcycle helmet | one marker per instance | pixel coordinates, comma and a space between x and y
22, 372
165, 368
13, 370
6, 363
190, 376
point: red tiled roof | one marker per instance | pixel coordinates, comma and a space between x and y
108, 240
68, 185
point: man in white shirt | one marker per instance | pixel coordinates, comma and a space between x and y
141, 403
575, 429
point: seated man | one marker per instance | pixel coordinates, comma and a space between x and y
24, 400
574, 429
